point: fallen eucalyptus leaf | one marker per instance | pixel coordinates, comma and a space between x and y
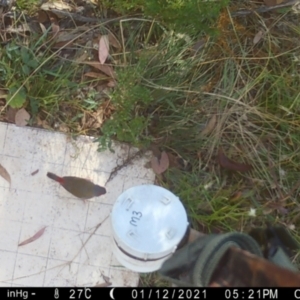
231, 165
33, 238
160, 165
34, 172
258, 37
210, 125
113, 41
108, 70
22, 117
103, 51
4, 174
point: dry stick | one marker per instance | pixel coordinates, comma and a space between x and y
125, 163
84, 19
263, 9
83, 245
84, 248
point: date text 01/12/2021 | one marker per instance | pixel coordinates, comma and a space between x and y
207, 293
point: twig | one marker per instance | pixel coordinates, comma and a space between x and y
125, 163
263, 9
81, 18
289, 195
83, 245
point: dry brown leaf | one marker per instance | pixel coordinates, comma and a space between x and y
273, 2
210, 125
231, 165
33, 238
108, 70
42, 16
22, 117
4, 174
258, 37
103, 51
113, 41
95, 75
160, 165
34, 172
11, 114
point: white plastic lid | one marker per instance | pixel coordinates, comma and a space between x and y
148, 222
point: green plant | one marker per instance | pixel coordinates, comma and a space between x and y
28, 5
183, 16
34, 76
18, 62
129, 99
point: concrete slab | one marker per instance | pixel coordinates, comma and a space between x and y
69, 253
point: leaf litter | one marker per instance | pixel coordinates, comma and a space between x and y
34, 237
113, 41
103, 51
258, 37
231, 165
160, 165
34, 172
4, 174
108, 70
210, 126
22, 117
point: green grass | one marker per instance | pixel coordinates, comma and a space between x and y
30, 6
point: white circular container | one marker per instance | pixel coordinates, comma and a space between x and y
148, 223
